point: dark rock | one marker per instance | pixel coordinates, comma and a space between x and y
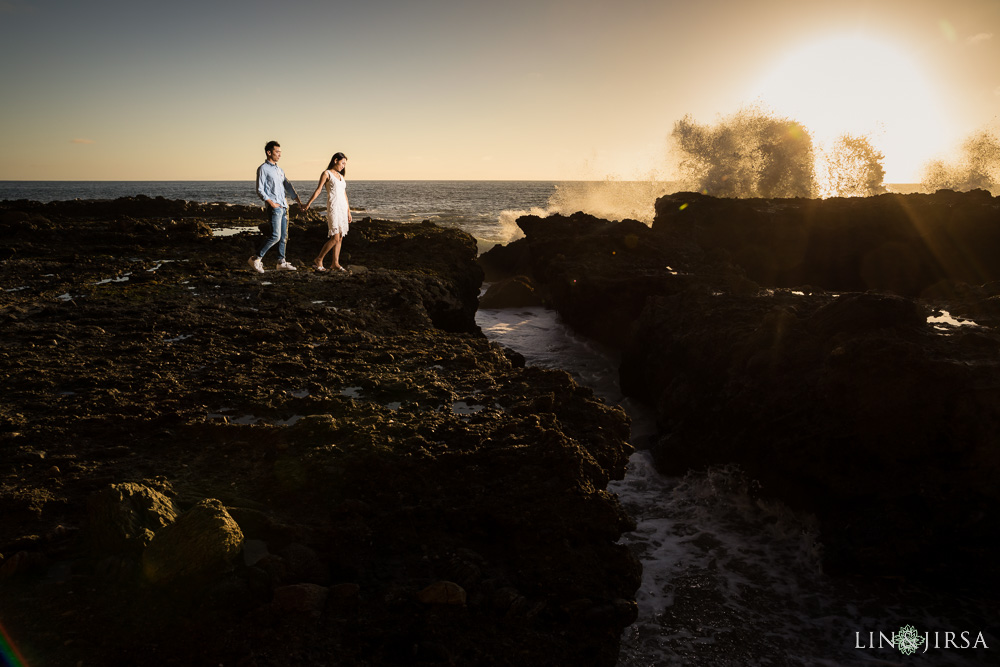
22, 563
275, 568
516, 292
300, 599
859, 313
504, 261
444, 593
344, 591
304, 565
203, 541
232, 597
839, 398
122, 518
118, 568
257, 524
596, 273
508, 600
899, 243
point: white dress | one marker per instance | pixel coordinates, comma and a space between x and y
336, 204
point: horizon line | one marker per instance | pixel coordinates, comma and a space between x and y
387, 180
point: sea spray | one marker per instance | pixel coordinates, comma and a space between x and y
509, 231
852, 167
977, 167
753, 153
609, 199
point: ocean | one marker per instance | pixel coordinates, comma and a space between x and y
485, 209
727, 579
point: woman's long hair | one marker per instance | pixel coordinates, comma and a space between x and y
338, 156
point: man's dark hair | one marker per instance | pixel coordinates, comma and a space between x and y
270, 146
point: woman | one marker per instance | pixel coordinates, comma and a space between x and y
338, 212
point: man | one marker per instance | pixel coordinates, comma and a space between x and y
271, 187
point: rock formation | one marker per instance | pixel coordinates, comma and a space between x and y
793, 337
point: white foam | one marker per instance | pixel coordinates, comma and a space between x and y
232, 231
945, 322
120, 279
161, 262
249, 420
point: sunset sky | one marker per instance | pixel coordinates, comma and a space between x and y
468, 89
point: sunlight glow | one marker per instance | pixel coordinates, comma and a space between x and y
861, 86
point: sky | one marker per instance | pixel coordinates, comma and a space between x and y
474, 89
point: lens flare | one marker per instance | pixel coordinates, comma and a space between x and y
9, 655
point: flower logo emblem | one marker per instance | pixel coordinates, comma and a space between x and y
908, 640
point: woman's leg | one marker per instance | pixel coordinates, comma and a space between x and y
330, 242
336, 251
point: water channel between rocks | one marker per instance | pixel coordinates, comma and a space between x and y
732, 580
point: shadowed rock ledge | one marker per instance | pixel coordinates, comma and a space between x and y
793, 337
203, 465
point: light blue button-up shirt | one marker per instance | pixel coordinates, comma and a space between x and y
272, 184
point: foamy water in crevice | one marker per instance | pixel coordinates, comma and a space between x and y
729, 579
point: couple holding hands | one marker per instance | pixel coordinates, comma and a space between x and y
272, 186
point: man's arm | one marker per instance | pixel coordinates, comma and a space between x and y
290, 191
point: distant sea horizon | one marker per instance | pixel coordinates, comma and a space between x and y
487, 209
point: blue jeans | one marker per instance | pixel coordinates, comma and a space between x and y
279, 233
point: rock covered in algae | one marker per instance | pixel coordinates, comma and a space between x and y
203, 541
124, 517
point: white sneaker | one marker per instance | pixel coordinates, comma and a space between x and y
256, 264
284, 265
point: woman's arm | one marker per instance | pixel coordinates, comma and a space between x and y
322, 179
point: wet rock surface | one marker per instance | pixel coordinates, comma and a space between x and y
814, 344
357, 515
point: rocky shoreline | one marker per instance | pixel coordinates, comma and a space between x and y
813, 342
204, 465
